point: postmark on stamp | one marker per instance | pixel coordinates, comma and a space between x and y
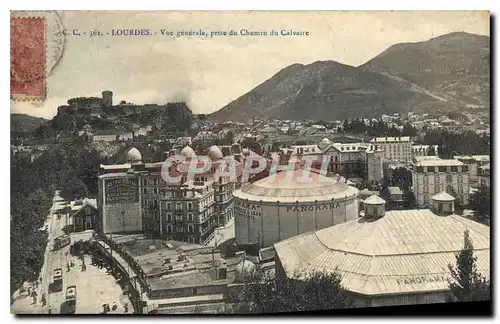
37, 47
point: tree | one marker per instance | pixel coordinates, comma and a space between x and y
411, 201
458, 199
467, 284
74, 189
230, 137
385, 194
261, 294
480, 201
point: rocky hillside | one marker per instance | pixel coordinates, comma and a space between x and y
446, 73
21, 123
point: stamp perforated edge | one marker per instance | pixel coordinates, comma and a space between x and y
41, 98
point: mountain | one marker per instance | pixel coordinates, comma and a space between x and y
406, 77
454, 67
21, 123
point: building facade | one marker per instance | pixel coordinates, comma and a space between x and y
289, 203
84, 215
134, 197
484, 175
424, 150
474, 162
430, 177
396, 149
353, 160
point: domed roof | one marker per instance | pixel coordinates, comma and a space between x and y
244, 269
324, 143
133, 155
188, 152
298, 185
214, 153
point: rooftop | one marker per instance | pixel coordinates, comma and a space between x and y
402, 252
296, 185
439, 162
390, 139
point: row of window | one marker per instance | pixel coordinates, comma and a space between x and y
168, 205
448, 178
438, 188
167, 228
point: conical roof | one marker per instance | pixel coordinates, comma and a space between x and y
374, 200
443, 196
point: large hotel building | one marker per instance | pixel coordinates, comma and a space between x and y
353, 160
133, 197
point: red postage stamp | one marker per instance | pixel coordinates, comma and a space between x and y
27, 58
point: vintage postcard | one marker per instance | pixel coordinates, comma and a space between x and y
244, 162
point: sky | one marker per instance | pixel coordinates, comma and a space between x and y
209, 73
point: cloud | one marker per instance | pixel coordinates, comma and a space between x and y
210, 73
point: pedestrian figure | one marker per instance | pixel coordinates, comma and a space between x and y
29, 291
104, 310
107, 308
44, 299
34, 300
125, 307
50, 309
40, 279
114, 306
67, 265
72, 264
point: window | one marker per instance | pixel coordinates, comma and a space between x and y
190, 217
156, 226
87, 211
190, 206
145, 191
169, 228
191, 239
448, 178
169, 217
190, 228
144, 182
178, 206
169, 206
454, 169
442, 169
430, 169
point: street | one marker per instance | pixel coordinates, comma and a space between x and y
94, 287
